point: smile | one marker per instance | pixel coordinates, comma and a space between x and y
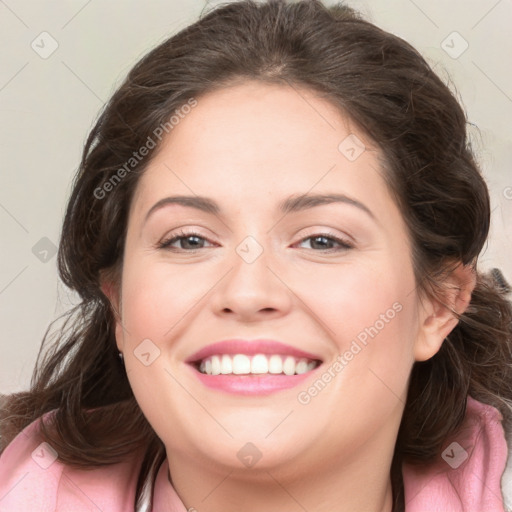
258, 364
252, 367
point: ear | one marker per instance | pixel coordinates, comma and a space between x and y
437, 319
111, 289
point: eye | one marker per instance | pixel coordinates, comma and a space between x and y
322, 240
192, 241
189, 241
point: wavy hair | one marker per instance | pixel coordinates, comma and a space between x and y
393, 96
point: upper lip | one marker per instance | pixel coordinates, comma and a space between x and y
250, 347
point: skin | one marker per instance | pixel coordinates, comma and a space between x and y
248, 147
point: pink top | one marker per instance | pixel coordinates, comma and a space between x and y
465, 478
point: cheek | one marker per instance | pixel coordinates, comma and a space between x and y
156, 297
348, 300
369, 376
369, 312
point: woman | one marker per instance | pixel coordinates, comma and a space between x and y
276, 226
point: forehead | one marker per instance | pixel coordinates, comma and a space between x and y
255, 140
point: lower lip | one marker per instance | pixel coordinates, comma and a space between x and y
264, 384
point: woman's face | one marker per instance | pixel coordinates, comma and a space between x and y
348, 316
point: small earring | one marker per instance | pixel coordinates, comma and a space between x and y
120, 355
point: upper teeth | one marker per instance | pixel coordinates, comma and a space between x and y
239, 364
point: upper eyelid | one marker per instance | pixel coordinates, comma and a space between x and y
196, 230
183, 232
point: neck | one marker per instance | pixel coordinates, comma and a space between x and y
351, 487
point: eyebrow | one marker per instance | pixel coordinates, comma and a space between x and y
291, 204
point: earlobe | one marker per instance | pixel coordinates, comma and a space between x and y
439, 318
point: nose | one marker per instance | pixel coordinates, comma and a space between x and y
253, 289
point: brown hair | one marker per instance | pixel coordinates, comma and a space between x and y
385, 86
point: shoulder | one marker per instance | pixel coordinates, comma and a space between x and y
486, 417
29, 473
471, 471
506, 481
33, 478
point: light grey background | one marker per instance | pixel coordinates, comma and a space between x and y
48, 105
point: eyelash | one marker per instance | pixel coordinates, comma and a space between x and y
165, 244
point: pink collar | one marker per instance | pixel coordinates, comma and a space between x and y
466, 476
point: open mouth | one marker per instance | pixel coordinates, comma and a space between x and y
252, 367
257, 364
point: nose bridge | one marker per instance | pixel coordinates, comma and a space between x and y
250, 249
250, 264
251, 285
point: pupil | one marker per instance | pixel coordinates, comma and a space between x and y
319, 238
187, 240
